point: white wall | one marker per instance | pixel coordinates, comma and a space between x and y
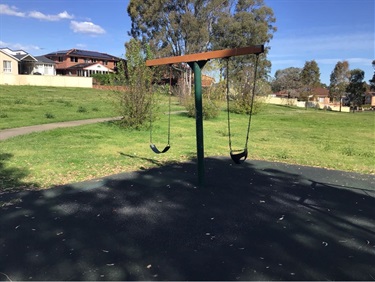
46, 80
44, 69
301, 104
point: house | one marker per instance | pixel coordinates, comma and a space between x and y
23, 63
318, 94
207, 81
77, 62
369, 99
9, 63
44, 66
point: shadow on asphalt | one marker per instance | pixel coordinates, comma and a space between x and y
257, 221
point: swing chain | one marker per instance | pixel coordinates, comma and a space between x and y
236, 157
153, 146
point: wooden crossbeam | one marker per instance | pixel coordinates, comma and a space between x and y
205, 56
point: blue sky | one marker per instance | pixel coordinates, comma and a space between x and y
326, 31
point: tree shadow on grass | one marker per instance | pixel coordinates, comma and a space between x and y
257, 221
11, 177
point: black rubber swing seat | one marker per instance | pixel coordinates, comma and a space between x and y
240, 157
157, 151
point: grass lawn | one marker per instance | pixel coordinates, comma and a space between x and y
343, 141
31, 105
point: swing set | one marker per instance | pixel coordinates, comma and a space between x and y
197, 62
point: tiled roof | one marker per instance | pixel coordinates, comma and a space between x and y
24, 57
81, 66
43, 59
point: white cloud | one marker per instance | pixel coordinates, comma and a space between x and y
18, 46
86, 27
41, 16
81, 45
13, 11
359, 61
10, 11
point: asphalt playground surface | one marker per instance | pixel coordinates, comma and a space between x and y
255, 221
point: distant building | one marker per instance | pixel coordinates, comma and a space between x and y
25, 62
44, 66
77, 62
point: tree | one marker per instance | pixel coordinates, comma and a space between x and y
372, 81
250, 23
310, 78
356, 88
288, 79
174, 27
135, 99
180, 27
339, 81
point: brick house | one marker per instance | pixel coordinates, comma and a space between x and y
77, 62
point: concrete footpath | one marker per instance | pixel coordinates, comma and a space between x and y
255, 221
12, 132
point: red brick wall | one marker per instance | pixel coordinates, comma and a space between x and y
67, 62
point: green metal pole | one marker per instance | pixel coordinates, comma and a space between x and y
197, 66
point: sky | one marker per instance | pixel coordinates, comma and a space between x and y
326, 31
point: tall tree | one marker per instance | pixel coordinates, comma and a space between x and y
180, 27
174, 27
356, 88
339, 81
310, 78
245, 23
372, 81
288, 79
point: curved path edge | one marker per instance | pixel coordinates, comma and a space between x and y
12, 132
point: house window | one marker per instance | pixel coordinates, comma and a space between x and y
93, 60
61, 59
74, 59
7, 66
105, 63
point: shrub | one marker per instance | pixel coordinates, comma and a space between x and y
243, 106
209, 108
102, 79
81, 109
49, 115
135, 100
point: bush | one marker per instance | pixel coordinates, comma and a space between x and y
209, 108
135, 101
81, 109
242, 106
102, 79
210, 102
49, 115
241, 100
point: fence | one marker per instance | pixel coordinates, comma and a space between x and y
46, 80
294, 102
